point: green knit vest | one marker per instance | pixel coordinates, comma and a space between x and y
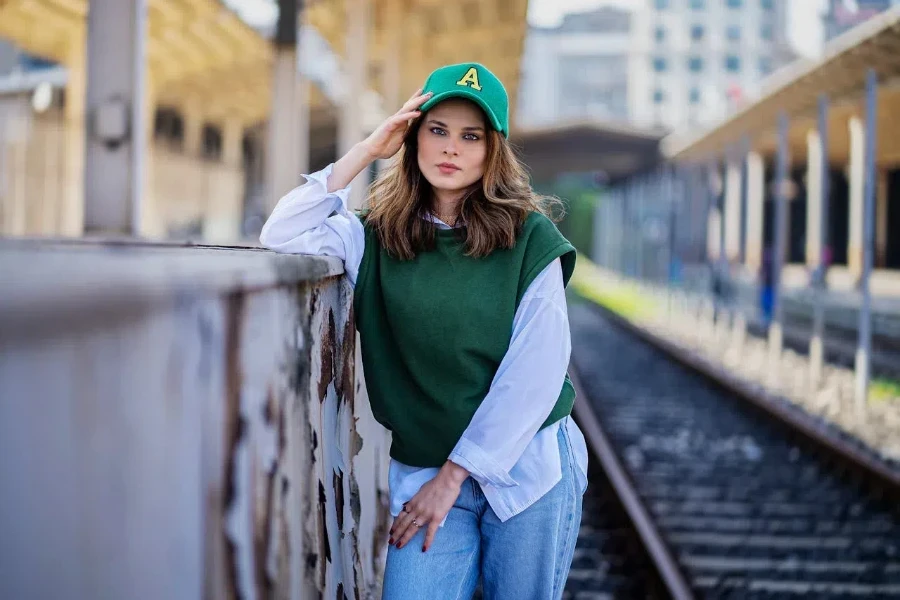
434, 329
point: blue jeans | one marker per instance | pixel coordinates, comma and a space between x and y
527, 557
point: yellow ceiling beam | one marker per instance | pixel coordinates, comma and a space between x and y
201, 46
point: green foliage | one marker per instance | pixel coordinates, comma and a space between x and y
884, 389
580, 203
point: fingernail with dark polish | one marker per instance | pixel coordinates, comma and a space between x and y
391, 541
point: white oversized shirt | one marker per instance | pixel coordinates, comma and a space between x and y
513, 462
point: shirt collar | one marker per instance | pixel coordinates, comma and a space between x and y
440, 224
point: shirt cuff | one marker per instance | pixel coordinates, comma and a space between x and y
482, 467
321, 178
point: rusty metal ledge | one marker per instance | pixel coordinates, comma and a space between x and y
44, 279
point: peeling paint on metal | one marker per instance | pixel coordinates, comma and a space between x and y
326, 373
244, 406
234, 426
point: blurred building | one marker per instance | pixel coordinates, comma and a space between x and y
577, 70
206, 163
204, 173
842, 15
669, 63
197, 190
741, 154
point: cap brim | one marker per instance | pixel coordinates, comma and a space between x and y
464, 93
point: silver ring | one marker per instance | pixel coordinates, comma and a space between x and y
416, 524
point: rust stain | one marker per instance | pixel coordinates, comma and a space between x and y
314, 445
327, 349
382, 521
337, 481
346, 385
312, 561
269, 408
324, 544
261, 540
284, 557
355, 443
262, 533
234, 426
297, 364
355, 505
313, 299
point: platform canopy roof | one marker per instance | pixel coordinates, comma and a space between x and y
839, 74
615, 150
200, 51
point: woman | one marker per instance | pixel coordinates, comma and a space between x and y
459, 300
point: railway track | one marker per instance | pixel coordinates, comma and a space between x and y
610, 561
729, 501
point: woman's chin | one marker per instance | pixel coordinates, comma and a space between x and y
447, 184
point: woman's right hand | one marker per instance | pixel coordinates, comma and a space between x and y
386, 140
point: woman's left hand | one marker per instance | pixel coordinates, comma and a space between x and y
429, 506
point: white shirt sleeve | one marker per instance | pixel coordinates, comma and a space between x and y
309, 220
525, 387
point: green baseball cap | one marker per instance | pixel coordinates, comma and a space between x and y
474, 82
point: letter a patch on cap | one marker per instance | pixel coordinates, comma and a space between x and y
470, 79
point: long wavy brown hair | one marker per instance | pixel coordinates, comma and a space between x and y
493, 209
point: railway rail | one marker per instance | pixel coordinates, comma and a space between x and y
840, 345
728, 497
610, 560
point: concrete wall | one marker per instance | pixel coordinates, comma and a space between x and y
183, 423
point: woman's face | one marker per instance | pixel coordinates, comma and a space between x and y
452, 145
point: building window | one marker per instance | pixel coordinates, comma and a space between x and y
695, 96
168, 128
697, 32
658, 96
662, 4
660, 64
695, 64
660, 33
733, 63
733, 33
698, 4
212, 142
734, 3
766, 32
765, 65
594, 86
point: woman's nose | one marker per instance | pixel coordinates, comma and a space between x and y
450, 148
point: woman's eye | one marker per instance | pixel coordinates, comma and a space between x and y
437, 130
471, 136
